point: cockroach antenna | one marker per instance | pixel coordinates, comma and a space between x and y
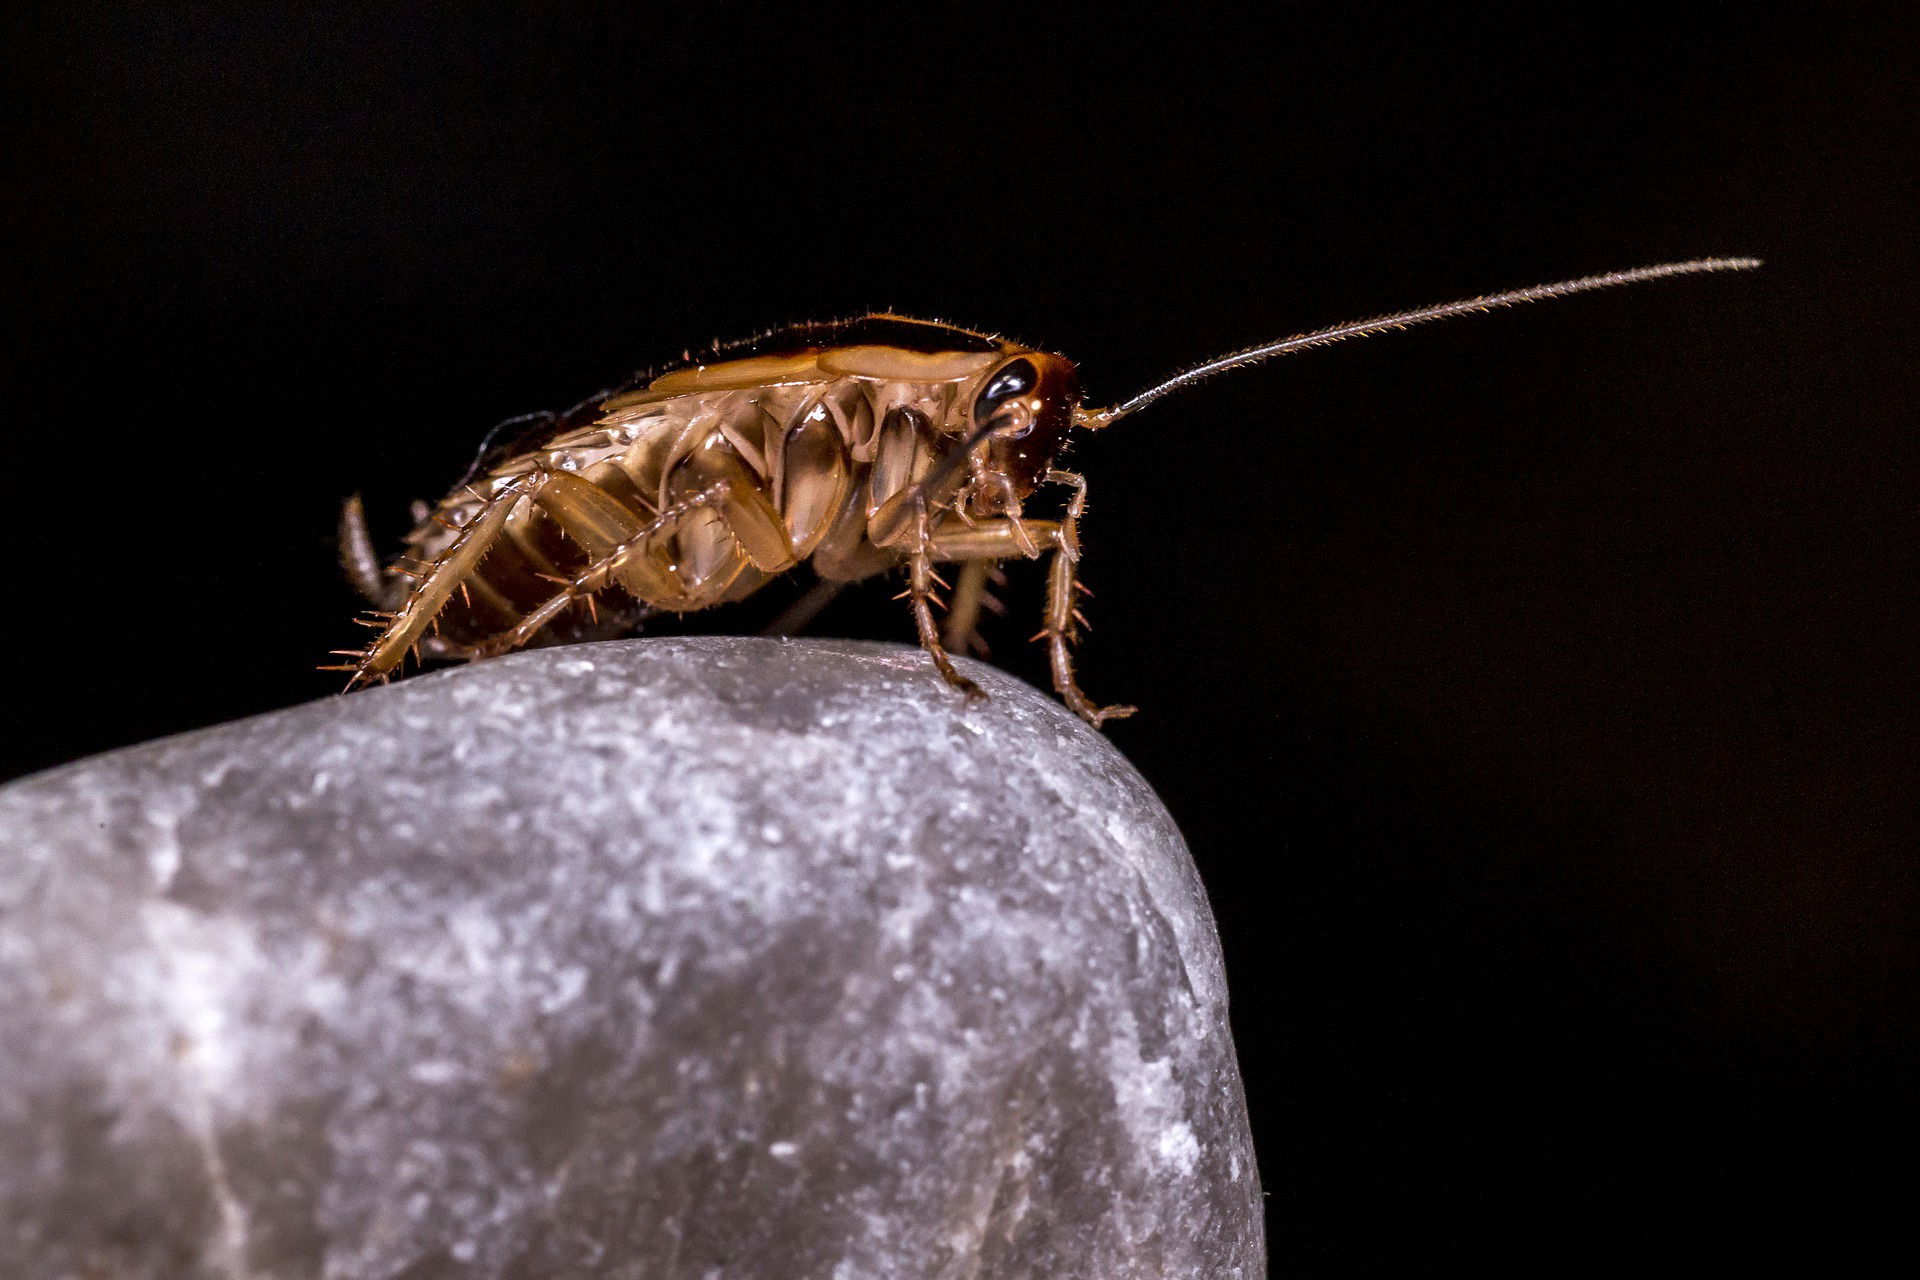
1098, 418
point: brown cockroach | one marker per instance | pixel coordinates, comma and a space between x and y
857, 447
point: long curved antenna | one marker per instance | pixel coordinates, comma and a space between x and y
499, 428
1097, 418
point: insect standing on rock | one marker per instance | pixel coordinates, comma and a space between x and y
857, 447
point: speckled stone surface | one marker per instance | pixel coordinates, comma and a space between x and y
663, 958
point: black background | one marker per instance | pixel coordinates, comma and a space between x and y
1537, 691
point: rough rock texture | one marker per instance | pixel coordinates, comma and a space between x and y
703, 958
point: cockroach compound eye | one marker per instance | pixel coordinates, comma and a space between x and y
857, 448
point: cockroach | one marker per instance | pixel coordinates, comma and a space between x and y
857, 447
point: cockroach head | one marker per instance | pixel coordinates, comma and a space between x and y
1027, 402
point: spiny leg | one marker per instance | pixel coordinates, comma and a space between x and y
406, 626
1063, 585
597, 576
1002, 540
624, 616
921, 580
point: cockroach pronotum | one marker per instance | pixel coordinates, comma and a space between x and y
856, 447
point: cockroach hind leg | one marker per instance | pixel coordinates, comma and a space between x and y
403, 627
596, 576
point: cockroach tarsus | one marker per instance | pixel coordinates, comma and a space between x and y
857, 447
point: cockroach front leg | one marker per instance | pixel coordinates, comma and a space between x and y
1002, 539
1063, 610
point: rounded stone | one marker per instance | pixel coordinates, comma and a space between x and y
703, 957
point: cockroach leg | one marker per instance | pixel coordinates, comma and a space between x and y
1002, 540
449, 570
1059, 634
598, 575
381, 588
920, 583
960, 631
996, 581
1062, 611
993, 540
